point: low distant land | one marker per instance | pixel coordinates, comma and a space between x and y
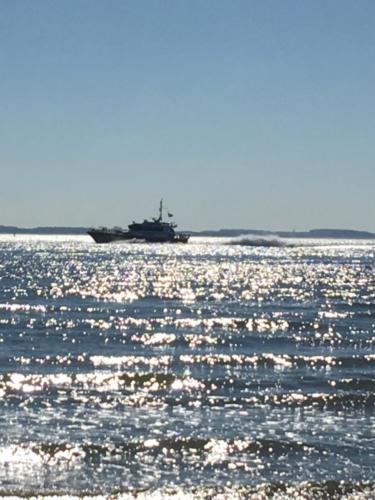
313, 233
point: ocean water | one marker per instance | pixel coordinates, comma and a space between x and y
206, 370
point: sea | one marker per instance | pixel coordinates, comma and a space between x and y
216, 369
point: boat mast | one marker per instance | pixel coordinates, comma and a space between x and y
161, 210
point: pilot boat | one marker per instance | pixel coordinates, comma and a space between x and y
154, 230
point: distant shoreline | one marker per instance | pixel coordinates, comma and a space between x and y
230, 233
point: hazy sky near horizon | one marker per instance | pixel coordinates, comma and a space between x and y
243, 113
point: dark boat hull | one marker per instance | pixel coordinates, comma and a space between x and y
109, 237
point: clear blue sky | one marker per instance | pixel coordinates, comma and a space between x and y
240, 113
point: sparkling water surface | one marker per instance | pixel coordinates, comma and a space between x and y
194, 370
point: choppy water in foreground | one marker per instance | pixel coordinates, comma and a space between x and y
196, 370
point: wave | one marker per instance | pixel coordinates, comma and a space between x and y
156, 375
136, 389
324, 400
52, 384
267, 360
308, 490
319, 401
286, 361
50, 453
259, 242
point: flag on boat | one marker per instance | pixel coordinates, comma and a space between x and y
169, 214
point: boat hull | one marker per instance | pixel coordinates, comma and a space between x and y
109, 237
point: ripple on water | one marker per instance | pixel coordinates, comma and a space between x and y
201, 370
